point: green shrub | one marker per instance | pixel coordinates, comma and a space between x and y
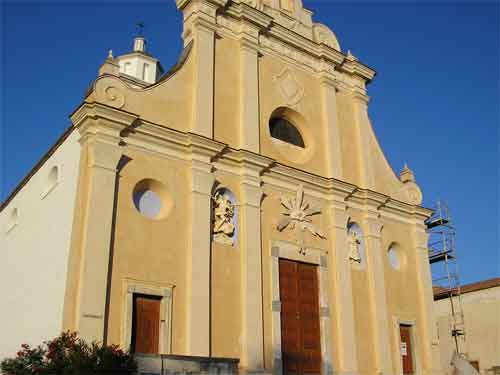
69, 354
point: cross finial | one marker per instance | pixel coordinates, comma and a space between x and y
140, 28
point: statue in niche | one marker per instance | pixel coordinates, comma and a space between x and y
354, 243
224, 211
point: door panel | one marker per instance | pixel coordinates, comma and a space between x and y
406, 350
146, 324
300, 329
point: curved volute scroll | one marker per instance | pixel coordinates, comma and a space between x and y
324, 35
111, 91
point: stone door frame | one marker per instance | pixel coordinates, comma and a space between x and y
132, 287
397, 322
318, 257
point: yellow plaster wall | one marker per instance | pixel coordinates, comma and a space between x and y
75, 254
348, 140
225, 289
227, 91
363, 316
151, 251
312, 128
386, 181
401, 285
363, 321
167, 103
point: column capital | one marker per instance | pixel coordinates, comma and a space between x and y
251, 194
103, 155
339, 215
202, 179
373, 225
329, 80
360, 96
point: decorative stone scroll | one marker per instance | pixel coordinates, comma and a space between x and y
323, 35
298, 216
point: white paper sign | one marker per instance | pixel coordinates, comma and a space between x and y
404, 349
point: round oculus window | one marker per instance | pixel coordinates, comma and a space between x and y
148, 203
152, 199
285, 131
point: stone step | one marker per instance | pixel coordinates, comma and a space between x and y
185, 365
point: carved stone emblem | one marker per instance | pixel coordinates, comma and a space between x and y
110, 95
298, 216
354, 243
224, 212
290, 88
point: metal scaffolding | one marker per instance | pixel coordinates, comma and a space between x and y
446, 278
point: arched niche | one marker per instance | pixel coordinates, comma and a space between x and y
224, 216
356, 246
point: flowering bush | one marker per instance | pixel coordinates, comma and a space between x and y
69, 354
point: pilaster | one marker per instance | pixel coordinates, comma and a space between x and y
343, 325
252, 339
249, 95
427, 328
103, 159
199, 27
330, 119
198, 253
378, 301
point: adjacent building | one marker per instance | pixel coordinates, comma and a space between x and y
480, 305
237, 206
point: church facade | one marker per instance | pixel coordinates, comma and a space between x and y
237, 206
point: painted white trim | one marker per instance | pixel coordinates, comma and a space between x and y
397, 322
132, 287
287, 250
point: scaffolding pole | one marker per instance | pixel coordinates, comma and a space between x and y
446, 277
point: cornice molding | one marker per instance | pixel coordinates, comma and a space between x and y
98, 121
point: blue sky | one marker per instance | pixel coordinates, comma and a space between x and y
434, 101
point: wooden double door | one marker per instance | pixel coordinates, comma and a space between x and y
300, 325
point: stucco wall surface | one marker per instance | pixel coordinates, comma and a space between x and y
34, 251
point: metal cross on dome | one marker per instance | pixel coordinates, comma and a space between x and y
298, 215
140, 28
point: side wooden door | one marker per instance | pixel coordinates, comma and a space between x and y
146, 324
300, 329
406, 350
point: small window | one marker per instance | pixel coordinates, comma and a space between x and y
51, 182
145, 70
284, 130
128, 68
